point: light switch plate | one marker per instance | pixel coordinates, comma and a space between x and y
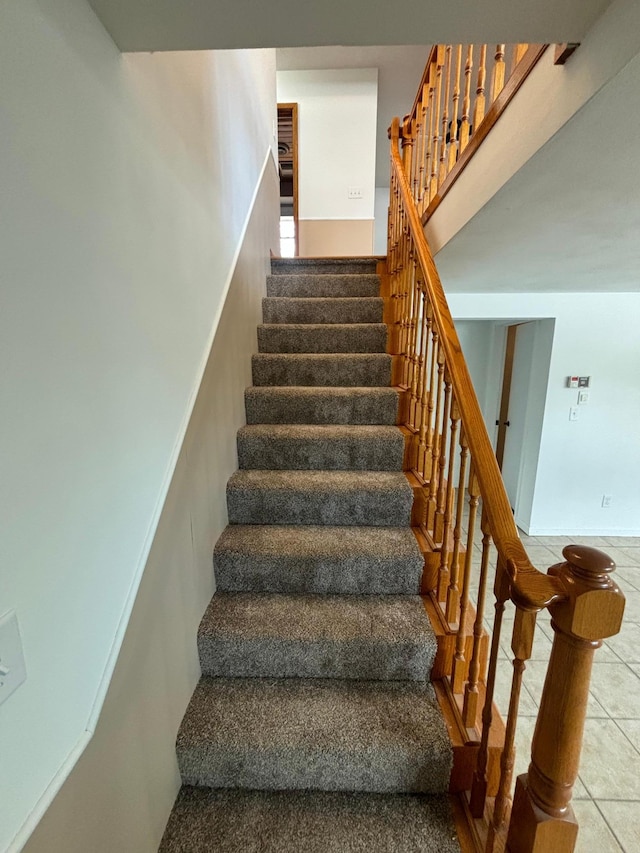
12, 669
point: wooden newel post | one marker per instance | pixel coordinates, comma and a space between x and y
542, 818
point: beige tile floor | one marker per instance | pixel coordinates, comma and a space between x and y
607, 792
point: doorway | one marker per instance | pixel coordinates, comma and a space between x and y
522, 403
288, 174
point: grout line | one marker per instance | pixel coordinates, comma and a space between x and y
611, 829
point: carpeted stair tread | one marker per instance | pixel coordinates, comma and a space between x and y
332, 285
372, 498
320, 405
229, 821
284, 309
318, 559
322, 337
254, 635
322, 369
324, 266
299, 733
320, 447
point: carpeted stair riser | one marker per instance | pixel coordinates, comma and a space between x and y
230, 821
308, 405
297, 733
318, 559
324, 266
301, 447
330, 286
380, 498
336, 369
290, 310
301, 338
252, 635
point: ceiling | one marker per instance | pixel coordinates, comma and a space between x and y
569, 220
399, 72
141, 25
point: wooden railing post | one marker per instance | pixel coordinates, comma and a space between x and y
542, 818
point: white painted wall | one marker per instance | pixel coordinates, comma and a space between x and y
596, 335
381, 212
123, 205
120, 793
337, 110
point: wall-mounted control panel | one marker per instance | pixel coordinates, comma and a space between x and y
578, 381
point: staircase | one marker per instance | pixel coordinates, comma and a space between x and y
314, 726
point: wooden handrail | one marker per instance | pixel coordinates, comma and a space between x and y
441, 417
532, 589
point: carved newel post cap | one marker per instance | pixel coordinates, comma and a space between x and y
594, 604
588, 563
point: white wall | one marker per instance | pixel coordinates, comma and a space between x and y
119, 795
381, 212
123, 204
595, 335
337, 112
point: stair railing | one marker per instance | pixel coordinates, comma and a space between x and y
460, 498
463, 91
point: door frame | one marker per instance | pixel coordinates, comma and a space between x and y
293, 108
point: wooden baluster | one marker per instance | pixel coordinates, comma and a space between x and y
433, 379
421, 112
453, 142
406, 304
424, 384
407, 148
413, 343
459, 673
471, 694
424, 197
497, 77
438, 519
480, 776
445, 549
521, 645
437, 101
479, 106
451, 594
418, 389
435, 440
542, 818
521, 49
465, 123
424, 137
444, 145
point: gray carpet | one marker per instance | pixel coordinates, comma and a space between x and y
324, 266
235, 821
320, 559
300, 733
342, 370
320, 405
312, 285
314, 726
320, 447
322, 337
257, 635
362, 309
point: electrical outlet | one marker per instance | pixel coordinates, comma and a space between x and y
355, 192
606, 501
573, 413
12, 668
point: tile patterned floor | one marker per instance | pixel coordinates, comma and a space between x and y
607, 793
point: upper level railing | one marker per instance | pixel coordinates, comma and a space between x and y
458, 488
463, 91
